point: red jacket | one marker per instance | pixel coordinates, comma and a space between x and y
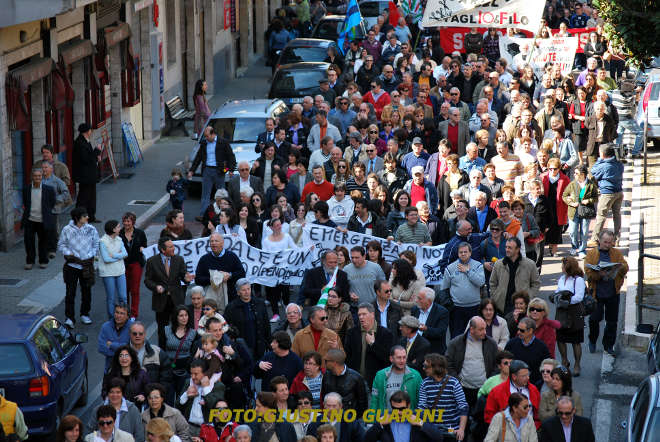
298, 383
547, 332
383, 101
498, 400
562, 208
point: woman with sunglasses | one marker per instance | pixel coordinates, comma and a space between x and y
562, 385
514, 420
546, 329
128, 414
343, 172
554, 182
257, 209
374, 139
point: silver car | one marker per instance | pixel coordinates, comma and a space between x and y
240, 122
644, 415
650, 103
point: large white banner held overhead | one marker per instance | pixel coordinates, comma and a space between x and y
523, 14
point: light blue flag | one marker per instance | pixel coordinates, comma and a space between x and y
353, 19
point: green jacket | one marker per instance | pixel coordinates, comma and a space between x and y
572, 195
411, 383
302, 11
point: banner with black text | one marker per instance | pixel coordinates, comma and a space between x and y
523, 14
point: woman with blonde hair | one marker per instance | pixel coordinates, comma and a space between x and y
546, 329
158, 430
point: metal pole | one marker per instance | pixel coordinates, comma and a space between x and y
645, 140
640, 271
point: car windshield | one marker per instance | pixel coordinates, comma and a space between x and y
14, 360
372, 9
296, 83
303, 53
238, 129
328, 30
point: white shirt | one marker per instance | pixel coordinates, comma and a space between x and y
35, 207
196, 414
573, 284
423, 316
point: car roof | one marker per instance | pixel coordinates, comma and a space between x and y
17, 326
305, 66
319, 42
255, 108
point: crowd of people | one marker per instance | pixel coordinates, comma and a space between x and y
414, 147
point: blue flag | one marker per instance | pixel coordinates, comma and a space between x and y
353, 19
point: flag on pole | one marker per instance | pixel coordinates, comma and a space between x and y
394, 13
414, 8
353, 19
323, 300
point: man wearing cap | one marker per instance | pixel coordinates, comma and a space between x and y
85, 170
417, 157
471, 358
498, 398
416, 345
456, 131
420, 189
397, 377
326, 91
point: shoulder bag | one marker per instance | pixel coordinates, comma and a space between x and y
503, 427
445, 433
530, 239
179, 372
585, 211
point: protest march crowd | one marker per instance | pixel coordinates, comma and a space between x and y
407, 145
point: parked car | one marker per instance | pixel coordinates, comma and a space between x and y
239, 121
304, 49
293, 81
653, 353
650, 102
43, 368
330, 26
371, 9
644, 414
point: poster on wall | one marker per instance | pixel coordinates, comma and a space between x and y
226, 9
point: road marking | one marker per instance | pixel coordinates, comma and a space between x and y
617, 390
45, 297
95, 394
603, 420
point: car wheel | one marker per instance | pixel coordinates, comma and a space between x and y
84, 392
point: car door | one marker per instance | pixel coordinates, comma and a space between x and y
70, 363
638, 412
49, 356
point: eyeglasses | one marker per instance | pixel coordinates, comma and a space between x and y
293, 313
374, 86
398, 408
305, 402
323, 318
124, 355
525, 407
453, 94
546, 371
109, 422
341, 167
137, 333
370, 150
373, 132
506, 362
564, 413
243, 169
522, 330
344, 103
206, 309
536, 309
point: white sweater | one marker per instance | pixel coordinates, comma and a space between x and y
111, 256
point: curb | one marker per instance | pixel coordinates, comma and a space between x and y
143, 220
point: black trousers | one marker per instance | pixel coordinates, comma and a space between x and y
459, 318
608, 309
71, 278
87, 199
164, 318
30, 229
274, 294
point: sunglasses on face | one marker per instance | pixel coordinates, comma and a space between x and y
373, 132
453, 94
522, 330
304, 403
323, 318
536, 309
341, 167
206, 309
546, 371
564, 413
108, 422
137, 333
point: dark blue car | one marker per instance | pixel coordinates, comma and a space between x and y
43, 368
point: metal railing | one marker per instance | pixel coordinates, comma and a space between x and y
641, 327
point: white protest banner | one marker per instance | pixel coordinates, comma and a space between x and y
428, 257
523, 14
288, 266
556, 50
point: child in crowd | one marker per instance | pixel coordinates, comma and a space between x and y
210, 310
176, 187
214, 359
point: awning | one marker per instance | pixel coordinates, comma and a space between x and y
117, 33
75, 50
33, 71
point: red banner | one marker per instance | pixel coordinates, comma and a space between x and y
451, 39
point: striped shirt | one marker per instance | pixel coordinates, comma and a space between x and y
507, 169
452, 401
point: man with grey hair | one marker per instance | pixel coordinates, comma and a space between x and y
308, 109
316, 336
471, 160
433, 320
242, 429
527, 348
456, 131
195, 306
241, 182
481, 214
368, 344
566, 425
602, 130
469, 191
455, 101
464, 279
482, 108
293, 322
248, 315
151, 358
346, 430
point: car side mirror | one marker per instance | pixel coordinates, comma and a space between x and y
80, 338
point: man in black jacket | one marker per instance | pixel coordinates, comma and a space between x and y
216, 157
364, 221
85, 170
433, 320
387, 313
315, 279
154, 360
345, 381
554, 428
37, 216
370, 353
346, 431
248, 315
416, 346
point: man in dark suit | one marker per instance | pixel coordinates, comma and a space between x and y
456, 131
282, 146
248, 315
267, 136
601, 129
38, 200
85, 170
369, 354
566, 426
315, 279
476, 215
417, 346
433, 320
388, 313
347, 431
163, 275
243, 178
216, 157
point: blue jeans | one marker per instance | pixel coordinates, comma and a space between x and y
115, 292
210, 176
578, 229
638, 131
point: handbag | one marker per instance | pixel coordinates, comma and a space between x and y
535, 239
503, 427
586, 211
179, 372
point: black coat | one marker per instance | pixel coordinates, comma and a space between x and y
394, 313
284, 431
428, 432
379, 228
260, 170
378, 353
234, 187
84, 167
473, 219
436, 327
47, 204
541, 211
235, 316
314, 280
154, 275
418, 350
348, 431
133, 250
609, 133
224, 156
350, 386
551, 430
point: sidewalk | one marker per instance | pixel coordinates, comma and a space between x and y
40, 290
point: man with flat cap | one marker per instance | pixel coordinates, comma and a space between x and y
416, 345
85, 170
327, 92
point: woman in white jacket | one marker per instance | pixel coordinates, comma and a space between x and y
516, 417
340, 207
111, 266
